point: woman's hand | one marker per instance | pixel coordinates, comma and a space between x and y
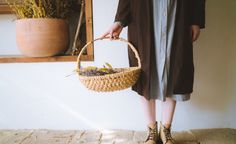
195, 32
114, 31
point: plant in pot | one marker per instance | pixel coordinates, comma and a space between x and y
41, 26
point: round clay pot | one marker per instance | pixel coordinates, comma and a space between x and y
42, 37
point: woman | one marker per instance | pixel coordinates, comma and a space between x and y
163, 32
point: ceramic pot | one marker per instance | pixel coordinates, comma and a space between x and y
42, 37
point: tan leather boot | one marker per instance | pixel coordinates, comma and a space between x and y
152, 137
165, 135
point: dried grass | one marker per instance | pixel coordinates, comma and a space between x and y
42, 8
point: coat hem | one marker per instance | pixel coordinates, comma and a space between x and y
176, 97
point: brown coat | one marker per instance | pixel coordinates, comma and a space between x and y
138, 16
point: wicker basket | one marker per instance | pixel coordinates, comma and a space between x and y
125, 78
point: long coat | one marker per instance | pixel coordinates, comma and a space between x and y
138, 16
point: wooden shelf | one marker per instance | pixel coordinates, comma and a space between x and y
4, 9
22, 59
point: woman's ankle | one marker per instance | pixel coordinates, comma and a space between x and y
152, 124
167, 125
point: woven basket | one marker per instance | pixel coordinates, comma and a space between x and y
125, 78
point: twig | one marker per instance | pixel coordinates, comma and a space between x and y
74, 48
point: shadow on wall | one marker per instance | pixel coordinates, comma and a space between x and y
213, 57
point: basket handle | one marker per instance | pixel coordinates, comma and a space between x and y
119, 39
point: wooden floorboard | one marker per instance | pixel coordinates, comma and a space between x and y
202, 136
81, 137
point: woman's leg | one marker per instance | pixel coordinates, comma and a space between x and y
149, 107
168, 109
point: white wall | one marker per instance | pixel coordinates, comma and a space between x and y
39, 96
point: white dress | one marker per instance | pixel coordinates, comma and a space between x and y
164, 12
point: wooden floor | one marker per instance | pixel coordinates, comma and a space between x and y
213, 136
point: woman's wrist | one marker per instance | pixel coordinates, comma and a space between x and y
119, 23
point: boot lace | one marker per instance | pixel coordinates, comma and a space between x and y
152, 134
168, 134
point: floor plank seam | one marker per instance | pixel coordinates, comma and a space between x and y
24, 139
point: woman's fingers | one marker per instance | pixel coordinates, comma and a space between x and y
113, 32
114, 35
109, 34
105, 34
194, 35
195, 32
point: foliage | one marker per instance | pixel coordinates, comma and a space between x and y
43, 8
95, 71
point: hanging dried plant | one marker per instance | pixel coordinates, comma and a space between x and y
42, 8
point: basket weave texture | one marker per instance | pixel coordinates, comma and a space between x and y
125, 78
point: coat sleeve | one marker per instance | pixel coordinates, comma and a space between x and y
198, 13
123, 12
